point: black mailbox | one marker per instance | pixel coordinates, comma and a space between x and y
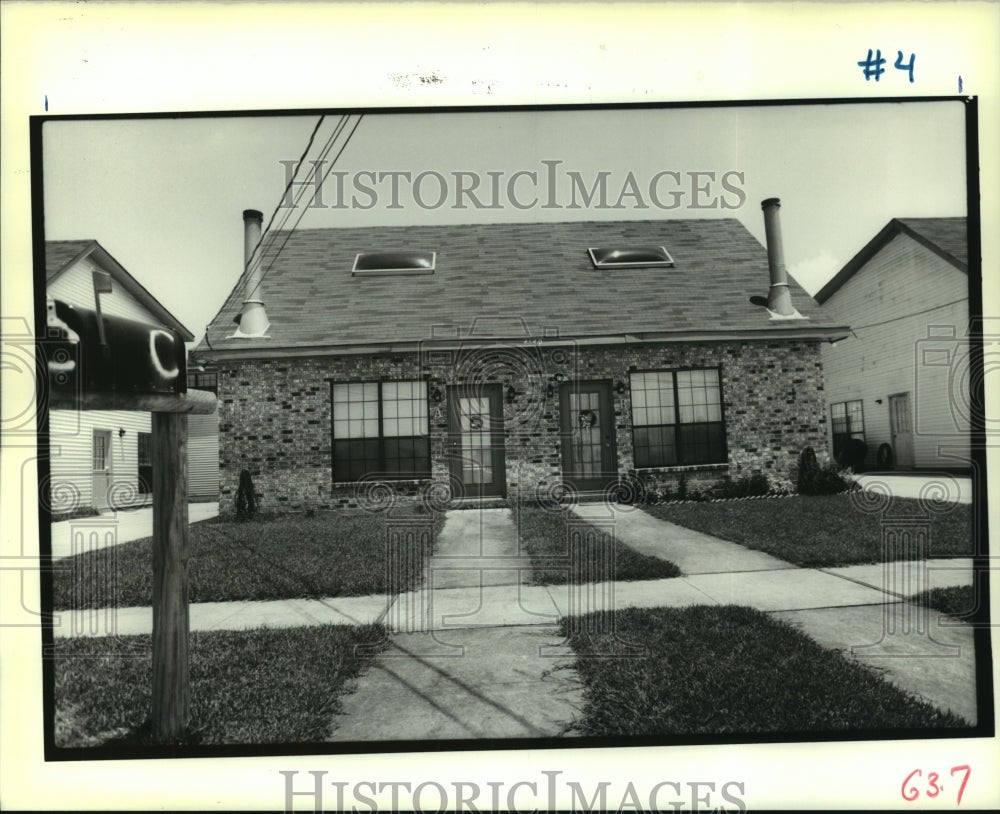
90, 353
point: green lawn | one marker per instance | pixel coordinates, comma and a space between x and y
259, 686
821, 530
546, 536
959, 601
727, 670
285, 557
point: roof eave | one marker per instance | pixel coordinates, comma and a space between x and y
893, 228
790, 333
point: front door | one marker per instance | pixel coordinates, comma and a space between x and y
476, 449
101, 468
901, 429
590, 461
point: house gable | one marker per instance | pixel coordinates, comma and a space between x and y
69, 267
907, 305
944, 237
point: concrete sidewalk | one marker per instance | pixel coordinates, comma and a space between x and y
71, 537
473, 650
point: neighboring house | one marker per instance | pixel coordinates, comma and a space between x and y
100, 459
203, 441
899, 383
485, 361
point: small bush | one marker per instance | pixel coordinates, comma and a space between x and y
753, 486
831, 481
808, 469
777, 485
820, 480
246, 497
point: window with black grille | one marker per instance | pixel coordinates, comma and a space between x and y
848, 421
145, 461
380, 429
677, 418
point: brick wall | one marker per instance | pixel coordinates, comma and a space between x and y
275, 415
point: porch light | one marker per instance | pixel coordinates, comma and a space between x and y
511, 394
620, 388
436, 394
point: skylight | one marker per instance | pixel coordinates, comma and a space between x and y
403, 261
631, 257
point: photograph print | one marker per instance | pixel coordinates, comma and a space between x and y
489, 428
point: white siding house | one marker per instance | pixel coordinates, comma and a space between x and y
900, 381
203, 442
99, 459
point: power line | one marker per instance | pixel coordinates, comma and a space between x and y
268, 235
288, 233
315, 189
907, 316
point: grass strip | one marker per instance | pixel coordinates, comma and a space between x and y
820, 530
549, 534
283, 557
727, 670
959, 601
255, 686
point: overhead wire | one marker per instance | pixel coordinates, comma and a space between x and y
906, 316
267, 237
315, 187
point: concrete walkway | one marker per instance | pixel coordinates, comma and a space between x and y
855, 609
474, 651
954, 488
71, 537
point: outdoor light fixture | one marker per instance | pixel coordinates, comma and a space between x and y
620, 388
436, 394
511, 394
878, 401
121, 432
550, 391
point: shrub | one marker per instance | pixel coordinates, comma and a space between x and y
808, 470
752, 486
682, 488
246, 497
830, 481
700, 490
779, 486
820, 480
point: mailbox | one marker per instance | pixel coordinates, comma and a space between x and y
88, 352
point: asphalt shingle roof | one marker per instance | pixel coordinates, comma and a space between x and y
948, 234
503, 274
59, 254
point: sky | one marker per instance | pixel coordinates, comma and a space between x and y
165, 195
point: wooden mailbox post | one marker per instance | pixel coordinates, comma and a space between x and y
103, 363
